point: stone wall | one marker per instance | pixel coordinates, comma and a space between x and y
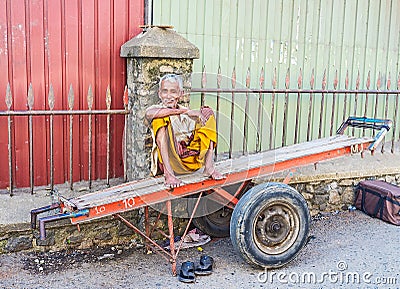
334, 195
63, 235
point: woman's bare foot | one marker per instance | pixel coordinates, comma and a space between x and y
214, 174
171, 181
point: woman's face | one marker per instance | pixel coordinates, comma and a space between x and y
169, 93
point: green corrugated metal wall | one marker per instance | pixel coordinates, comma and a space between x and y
357, 36
335, 35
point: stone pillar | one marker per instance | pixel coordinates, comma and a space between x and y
150, 55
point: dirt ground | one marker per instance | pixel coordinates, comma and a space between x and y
346, 250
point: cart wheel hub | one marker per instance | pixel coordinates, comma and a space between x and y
275, 228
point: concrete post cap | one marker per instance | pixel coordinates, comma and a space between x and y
159, 42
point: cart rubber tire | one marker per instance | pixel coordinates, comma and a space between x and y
213, 219
270, 225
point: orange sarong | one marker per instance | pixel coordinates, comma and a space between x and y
195, 146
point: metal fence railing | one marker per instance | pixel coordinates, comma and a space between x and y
249, 119
252, 119
70, 118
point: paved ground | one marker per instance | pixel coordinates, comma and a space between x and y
348, 250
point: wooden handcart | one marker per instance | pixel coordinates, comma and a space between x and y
268, 223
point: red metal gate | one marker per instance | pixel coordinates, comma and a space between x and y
63, 43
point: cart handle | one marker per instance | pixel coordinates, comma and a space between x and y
383, 125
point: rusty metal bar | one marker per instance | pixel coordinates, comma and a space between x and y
285, 108
321, 113
31, 170
51, 101
296, 126
396, 108
246, 114
335, 84
376, 105
171, 236
356, 98
71, 118
162, 233
219, 80
189, 222
233, 81
346, 84
310, 106
378, 85
90, 106
203, 85
161, 211
271, 131
283, 91
386, 109
108, 104
147, 226
62, 112
126, 101
366, 99
9, 130
259, 112
130, 225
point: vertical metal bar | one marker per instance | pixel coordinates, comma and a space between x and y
219, 80
366, 98
346, 85
285, 108
310, 107
271, 129
378, 87
321, 114
189, 222
356, 98
147, 225
126, 101
233, 81
396, 108
51, 101
246, 113
30, 106
335, 84
90, 106
108, 103
71, 119
171, 236
386, 108
296, 126
9, 129
203, 85
259, 113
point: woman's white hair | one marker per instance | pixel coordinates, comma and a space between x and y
172, 78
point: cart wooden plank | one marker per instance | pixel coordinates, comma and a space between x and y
273, 159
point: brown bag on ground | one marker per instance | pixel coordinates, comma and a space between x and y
379, 199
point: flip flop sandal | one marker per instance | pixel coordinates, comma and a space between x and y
186, 273
205, 267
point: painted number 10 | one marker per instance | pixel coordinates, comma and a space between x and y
99, 210
129, 203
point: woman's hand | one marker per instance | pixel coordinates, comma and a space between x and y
196, 114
